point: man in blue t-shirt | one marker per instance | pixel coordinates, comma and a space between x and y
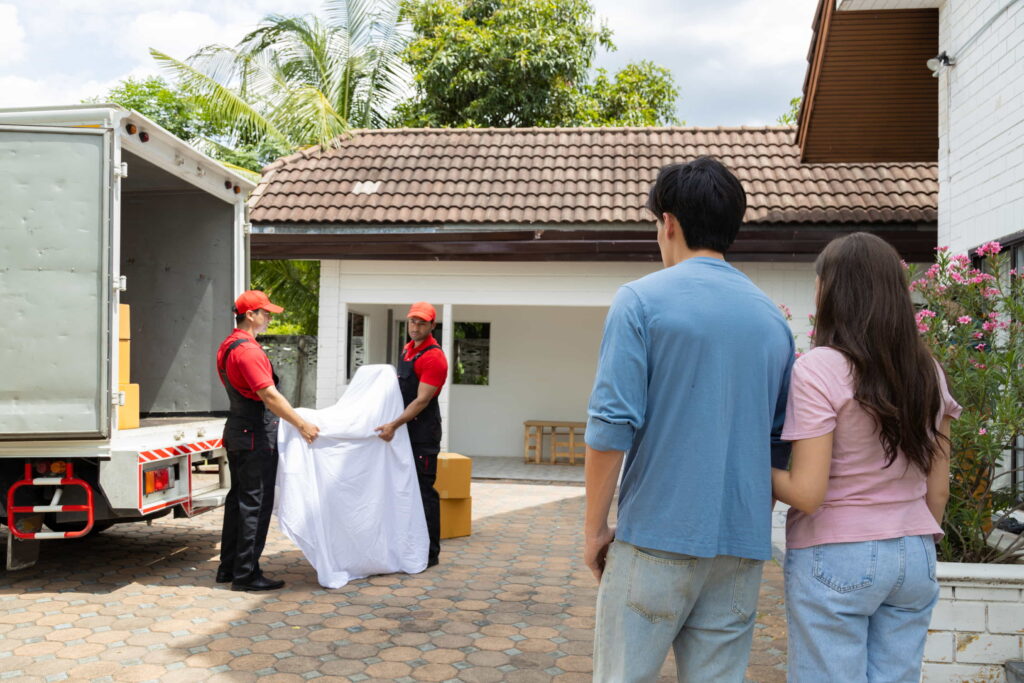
691, 388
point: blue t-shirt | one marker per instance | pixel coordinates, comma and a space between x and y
692, 382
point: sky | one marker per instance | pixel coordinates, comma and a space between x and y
735, 62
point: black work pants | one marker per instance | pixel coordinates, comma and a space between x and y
425, 456
247, 510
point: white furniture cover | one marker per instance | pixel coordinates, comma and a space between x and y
350, 501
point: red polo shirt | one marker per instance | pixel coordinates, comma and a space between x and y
432, 367
248, 367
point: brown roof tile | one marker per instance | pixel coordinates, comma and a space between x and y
573, 176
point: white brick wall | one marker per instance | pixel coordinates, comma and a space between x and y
981, 123
978, 623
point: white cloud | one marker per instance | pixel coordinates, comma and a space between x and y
58, 89
12, 35
178, 34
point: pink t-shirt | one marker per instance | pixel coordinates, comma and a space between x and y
864, 501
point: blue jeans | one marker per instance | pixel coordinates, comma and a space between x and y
702, 607
860, 611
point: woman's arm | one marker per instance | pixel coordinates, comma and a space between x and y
937, 492
804, 484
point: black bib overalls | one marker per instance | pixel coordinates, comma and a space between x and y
250, 438
425, 435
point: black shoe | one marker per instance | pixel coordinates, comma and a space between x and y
432, 561
260, 583
224, 577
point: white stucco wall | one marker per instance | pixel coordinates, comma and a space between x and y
546, 321
981, 123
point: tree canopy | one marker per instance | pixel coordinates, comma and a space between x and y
166, 104
511, 63
297, 81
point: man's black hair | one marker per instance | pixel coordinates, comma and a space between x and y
239, 317
706, 199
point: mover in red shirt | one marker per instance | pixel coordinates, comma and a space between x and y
422, 371
250, 437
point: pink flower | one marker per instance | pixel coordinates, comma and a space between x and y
983, 431
964, 319
989, 326
786, 313
988, 248
993, 315
941, 249
979, 335
989, 292
980, 347
924, 313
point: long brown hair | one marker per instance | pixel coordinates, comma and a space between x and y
865, 312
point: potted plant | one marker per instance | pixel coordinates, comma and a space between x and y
972, 316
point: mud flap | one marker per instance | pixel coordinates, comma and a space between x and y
22, 554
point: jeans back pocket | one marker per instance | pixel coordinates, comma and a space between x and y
846, 567
658, 583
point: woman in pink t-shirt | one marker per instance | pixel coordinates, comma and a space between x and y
868, 415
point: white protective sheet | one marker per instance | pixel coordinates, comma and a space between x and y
350, 501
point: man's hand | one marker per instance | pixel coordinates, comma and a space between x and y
309, 431
595, 550
386, 432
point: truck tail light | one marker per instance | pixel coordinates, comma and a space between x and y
157, 480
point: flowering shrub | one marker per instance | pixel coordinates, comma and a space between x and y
973, 321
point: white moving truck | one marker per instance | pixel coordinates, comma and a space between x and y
99, 207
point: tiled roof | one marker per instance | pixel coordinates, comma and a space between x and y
573, 176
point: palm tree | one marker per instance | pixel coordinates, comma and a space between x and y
300, 81
292, 83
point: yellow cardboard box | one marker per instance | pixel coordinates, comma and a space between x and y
128, 414
124, 355
456, 517
124, 318
454, 473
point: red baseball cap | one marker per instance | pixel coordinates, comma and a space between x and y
423, 311
254, 299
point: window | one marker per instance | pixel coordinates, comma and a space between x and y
356, 342
472, 353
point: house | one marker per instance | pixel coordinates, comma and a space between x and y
520, 238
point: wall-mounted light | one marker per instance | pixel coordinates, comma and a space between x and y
131, 128
939, 62
144, 136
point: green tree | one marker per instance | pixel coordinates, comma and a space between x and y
641, 94
295, 286
510, 63
297, 81
790, 117
162, 102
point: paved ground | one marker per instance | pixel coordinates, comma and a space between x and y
510, 603
511, 468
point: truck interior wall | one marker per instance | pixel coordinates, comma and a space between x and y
176, 251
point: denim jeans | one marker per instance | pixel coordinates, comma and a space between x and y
860, 611
702, 607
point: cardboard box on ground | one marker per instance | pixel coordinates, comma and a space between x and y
454, 473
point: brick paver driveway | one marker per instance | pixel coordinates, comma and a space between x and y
513, 602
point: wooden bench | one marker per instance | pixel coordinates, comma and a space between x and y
564, 438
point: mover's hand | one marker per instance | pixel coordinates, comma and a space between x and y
386, 432
595, 550
309, 431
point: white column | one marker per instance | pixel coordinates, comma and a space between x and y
448, 346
